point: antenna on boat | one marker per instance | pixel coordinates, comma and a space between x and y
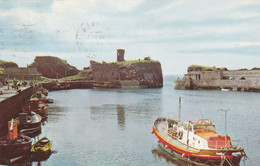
225, 123
179, 108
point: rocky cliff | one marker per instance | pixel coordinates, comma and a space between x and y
145, 72
5, 64
53, 67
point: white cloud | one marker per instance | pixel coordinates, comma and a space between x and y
124, 5
20, 16
191, 10
182, 27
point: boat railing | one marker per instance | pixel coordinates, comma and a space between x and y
203, 128
172, 132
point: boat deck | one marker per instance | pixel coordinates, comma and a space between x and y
207, 134
163, 131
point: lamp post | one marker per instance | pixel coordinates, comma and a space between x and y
225, 123
179, 109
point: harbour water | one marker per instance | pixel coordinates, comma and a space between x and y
113, 126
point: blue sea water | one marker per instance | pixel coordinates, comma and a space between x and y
98, 127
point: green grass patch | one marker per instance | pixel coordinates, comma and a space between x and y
45, 79
205, 68
137, 61
74, 77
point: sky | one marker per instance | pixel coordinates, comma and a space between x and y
178, 33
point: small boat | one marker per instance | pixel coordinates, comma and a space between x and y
49, 100
42, 146
14, 145
37, 106
106, 84
39, 95
29, 123
61, 86
196, 142
225, 89
44, 91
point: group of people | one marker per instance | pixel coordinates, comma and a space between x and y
16, 84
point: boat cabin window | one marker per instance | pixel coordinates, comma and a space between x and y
171, 122
204, 127
204, 124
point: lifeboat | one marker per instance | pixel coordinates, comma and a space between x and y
196, 142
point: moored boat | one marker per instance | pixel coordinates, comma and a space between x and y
42, 146
29, 122
14, 145
61, 86
37, 106
196, 142
40, 96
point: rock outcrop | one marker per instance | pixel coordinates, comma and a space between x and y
145, 73
139, 73
53, 67
6, 64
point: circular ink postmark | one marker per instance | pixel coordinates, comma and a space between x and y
90, 38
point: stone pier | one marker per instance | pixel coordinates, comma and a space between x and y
11, 103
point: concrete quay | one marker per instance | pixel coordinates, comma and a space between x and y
11, 103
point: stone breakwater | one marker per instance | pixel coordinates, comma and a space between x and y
235, 80
67, 85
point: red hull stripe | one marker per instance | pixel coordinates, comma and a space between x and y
213, 157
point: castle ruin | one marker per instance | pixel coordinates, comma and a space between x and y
126, 74
235, 80
120, 55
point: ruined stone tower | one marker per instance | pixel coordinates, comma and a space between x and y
120, 55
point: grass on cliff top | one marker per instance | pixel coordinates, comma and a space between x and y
45, 79
204, 67
1, 61
74, 77
136, 61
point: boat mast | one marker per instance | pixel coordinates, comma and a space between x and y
179, 108
225, 124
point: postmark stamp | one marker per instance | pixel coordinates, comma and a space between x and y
90, 38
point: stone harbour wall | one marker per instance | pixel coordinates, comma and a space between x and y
236, 80
11, 106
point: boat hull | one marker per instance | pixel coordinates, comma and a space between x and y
37, 106
10, 149
29, 124
196, 155
32, 132
42, 147
32, 126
